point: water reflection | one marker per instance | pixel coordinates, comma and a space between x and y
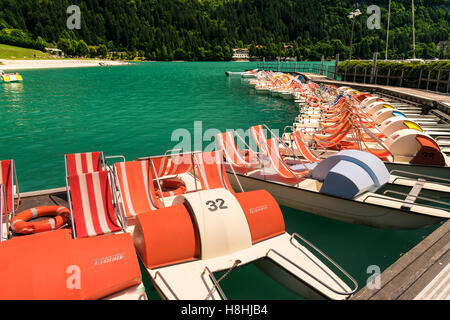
13, 96
13, 88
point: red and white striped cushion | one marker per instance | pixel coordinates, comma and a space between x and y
92, 205
6, 179
80, 163
212, 172
180, 164
138, 196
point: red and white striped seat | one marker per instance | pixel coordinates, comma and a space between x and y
79, 163
2, 205
180, 164
7, 180
211, 169
269, 147
91, 204
299, 141
160, 165
136, 187
233, 155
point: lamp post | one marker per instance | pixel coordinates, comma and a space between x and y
387, 33
414, 32
352, 15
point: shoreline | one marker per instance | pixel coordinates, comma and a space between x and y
8, 65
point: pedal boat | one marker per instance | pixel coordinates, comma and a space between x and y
10, 77
210, 231
55, 264
199, 232
352, 186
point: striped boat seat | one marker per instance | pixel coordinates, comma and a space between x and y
211, 169
180, 164
80, 163
2, 205
6, 179
299, 141
91, 204
233, 155
269, 147
137, 194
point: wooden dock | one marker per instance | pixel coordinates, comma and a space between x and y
423, 273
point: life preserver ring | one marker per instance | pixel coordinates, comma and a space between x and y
21, 223
170, 187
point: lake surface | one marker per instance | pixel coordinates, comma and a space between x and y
134, 110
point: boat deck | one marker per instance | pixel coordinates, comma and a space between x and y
423, 273
52, 197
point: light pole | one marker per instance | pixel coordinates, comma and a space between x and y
387, 34
414, 32
352, 15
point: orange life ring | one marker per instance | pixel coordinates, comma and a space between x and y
21, 224
170, 187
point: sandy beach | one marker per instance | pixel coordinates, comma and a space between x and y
55, 63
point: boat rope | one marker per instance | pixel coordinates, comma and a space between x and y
211, 292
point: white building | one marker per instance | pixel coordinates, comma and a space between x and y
241, 54
55, 52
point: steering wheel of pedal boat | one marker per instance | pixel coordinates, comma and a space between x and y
59, 216
170, 187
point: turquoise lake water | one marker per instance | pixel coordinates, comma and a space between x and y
133, 111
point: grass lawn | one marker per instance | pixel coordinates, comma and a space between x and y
17, 53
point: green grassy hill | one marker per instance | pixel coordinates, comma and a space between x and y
16, 53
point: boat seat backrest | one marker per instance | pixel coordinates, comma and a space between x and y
233, 155
180, 164
211, 168
136, 187
80, 163
92, 206
6, 179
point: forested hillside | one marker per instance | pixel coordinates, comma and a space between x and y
208, 29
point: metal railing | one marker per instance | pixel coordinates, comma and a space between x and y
434, 80
346, 293
386, 192
298, 67
445, 180
165, 283
216, 285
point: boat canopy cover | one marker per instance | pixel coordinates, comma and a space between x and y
399, 114
350, 172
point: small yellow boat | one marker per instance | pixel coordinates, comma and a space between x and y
11, 77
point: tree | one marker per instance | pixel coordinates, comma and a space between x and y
82, 49
191, 24
92, 51
102, 51
41, 43
179, 54
64, 45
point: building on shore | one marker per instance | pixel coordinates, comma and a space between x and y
240, 55
57, 53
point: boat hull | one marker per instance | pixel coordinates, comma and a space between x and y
338, 208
